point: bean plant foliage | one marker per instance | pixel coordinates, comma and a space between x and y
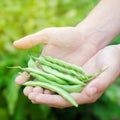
19, 18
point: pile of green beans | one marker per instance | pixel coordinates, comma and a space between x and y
56, 75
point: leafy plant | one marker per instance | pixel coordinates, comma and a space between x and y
19, 18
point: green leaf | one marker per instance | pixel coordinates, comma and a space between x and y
3, 114
11, 95
113, 94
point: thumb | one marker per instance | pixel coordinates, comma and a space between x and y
101, 83
32, 40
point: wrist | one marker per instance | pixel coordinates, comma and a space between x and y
102, 24
95, 35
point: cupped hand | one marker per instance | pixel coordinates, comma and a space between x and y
107, 57
62, 43
66, 43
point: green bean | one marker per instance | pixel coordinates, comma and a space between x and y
56, 89
68, 88
65, 64
46, 75
62, 69
72, 88
68, 78
31, 64
93, 76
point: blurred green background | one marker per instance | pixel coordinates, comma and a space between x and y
19, 18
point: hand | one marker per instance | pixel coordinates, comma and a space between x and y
107, 57
62, 43
76, 44
66, 43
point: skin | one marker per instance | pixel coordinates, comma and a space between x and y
107, 57
78, 45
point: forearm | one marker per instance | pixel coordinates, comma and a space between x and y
103, 22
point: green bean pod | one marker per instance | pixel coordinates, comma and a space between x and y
46, 75
68, 78
65, 64
56, 89
62, 69
59, 68
68, 88
31, 64
93, 76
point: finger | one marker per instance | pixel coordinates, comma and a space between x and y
83, 98
32, 95
27, 90
22, 78
108, 57
31, 40
101, 83
46, 91
34, 102
50, 100
38, 89
60, 102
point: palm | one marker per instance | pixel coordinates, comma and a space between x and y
60, 53
71, 45
62, 43
107, 57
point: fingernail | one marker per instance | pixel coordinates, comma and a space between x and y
91, 91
